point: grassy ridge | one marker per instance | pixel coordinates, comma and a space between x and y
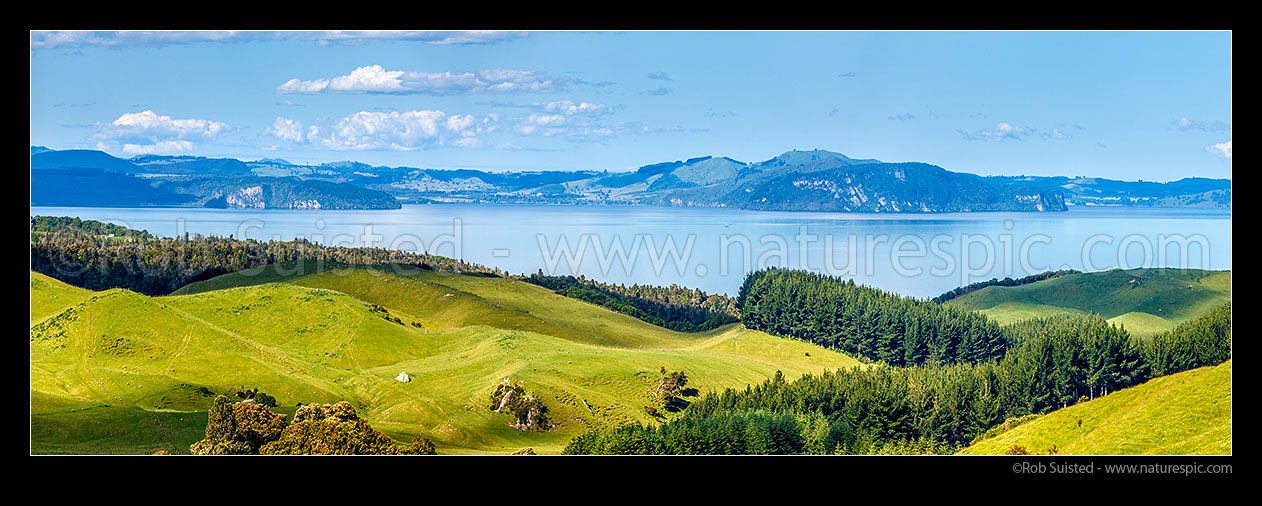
54, 296
261, 275
1146, 301
119, 357
1184, 413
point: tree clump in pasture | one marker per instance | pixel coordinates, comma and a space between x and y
324, 429
420, 446
528, 411
251, 428
238, 429
670, 387
257, 396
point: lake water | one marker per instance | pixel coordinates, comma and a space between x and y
920, 255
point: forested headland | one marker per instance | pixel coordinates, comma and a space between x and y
865, 322
973, 287
674, 307
99, 256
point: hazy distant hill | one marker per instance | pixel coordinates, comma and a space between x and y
94, 178
826, 181
191, 166
96, 187
794, 181
1093, 191
280, 193
815, 180
80, 159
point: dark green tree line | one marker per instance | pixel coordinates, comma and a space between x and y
1194, 344
76, 252
865, 321
973, 287
674, 307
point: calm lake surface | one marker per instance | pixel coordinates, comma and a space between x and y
711, 249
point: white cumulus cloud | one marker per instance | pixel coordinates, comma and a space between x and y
285, 129
376, 79
568, 107
148, 125
401, 131
1001, 131
148, 132
1220, 150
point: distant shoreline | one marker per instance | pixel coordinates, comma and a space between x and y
405, 204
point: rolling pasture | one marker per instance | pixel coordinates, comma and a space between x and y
111, 359
1145, 301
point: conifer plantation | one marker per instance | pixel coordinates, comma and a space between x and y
928, 407
864, 321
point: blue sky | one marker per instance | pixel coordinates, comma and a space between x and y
1126, 105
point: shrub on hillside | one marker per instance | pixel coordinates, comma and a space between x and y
238, 429
257, 396
323, 429
250, 428
1007, 425
669, 388
265, 399
420, 446
528, 411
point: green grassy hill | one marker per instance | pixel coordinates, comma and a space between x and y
66, 426
54, 296
1146, 301
104, 359
1184, 413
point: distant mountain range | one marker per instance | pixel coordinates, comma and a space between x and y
1091, 191
94, 178
794, 181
